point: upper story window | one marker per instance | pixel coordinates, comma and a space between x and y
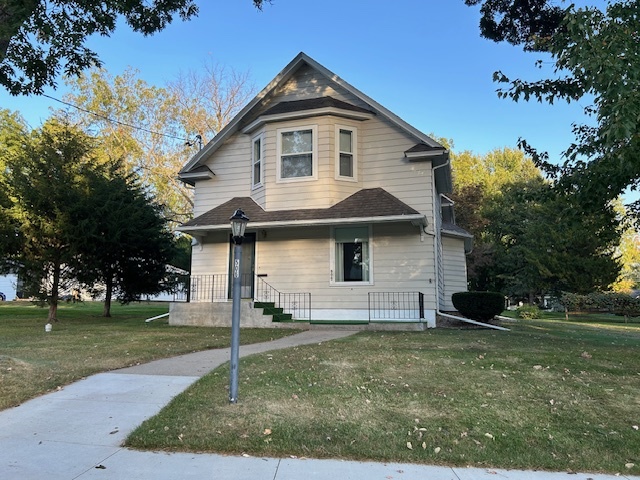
256, 162
297, 153
346, 141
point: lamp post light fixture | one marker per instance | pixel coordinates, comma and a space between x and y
238, 224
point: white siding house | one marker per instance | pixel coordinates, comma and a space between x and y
344, 200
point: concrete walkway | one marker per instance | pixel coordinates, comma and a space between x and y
77, 432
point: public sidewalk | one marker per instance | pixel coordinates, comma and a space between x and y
77, 432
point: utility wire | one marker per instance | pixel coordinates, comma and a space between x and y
111, 120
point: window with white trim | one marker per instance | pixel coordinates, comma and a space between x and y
346, 141
256, 161
297, 153
351, 255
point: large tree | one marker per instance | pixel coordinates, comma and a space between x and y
125, 244
596, 54
44, 172
76, 218
153, 129
478, 181
41, 39
545, 242
12, 129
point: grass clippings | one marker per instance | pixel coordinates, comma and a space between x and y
548, 395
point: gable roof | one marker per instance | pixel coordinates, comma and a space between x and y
443, 174
367, 205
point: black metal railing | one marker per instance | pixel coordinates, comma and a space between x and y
297, 304
396, 306
210, 288
215, 288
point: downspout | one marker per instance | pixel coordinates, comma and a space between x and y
436, 239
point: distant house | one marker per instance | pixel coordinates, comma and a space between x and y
8, 287
349, 221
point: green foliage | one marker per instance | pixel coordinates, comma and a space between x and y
199, 103
478, 182
43, 179
595, 53
78, 217
527, 22
529, 312
125, 244
39, 40
546, 242
481, 306
617, 303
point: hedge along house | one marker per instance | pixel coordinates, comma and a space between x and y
349, 221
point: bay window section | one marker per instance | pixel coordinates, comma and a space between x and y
351, 255
297, 154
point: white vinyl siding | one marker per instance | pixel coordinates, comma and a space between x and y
232, 169
455, 269
295, 260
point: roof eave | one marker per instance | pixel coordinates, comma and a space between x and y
418, 219
338, 112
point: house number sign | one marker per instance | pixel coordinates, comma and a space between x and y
236, 268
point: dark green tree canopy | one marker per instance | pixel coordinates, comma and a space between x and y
546, 242
41, 39
520, 22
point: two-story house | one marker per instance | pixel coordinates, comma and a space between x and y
349, 221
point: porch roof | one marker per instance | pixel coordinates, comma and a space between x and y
371, 205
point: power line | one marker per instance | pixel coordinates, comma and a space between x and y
111, 120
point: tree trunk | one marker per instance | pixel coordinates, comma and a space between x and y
106, 312
53, 298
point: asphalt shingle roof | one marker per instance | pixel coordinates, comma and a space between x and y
366, 203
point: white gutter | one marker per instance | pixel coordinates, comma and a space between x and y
156, 317
436, 237
467, 320
421, 219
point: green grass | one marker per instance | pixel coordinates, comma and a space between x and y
548, 395
82, 343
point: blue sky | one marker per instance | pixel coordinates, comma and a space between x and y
422, 59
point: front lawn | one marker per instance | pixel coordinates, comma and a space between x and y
82, 343
548, 395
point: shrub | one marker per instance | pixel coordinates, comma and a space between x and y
529, 312
480, 306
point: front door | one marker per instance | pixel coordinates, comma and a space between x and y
247, 268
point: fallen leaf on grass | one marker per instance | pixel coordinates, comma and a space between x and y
436, 450
629, 465
409, 446
585, 355
267, 431
488, 435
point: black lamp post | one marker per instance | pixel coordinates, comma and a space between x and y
238, 224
